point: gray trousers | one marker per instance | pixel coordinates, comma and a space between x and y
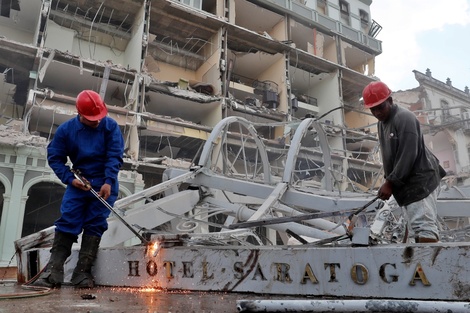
422, 216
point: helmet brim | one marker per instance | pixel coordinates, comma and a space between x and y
94, 118
374, 104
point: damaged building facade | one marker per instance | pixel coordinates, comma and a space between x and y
444, 113
169, 71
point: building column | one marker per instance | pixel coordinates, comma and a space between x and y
13, 215
4, 258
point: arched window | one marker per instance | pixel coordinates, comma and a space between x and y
2, 192
42, 207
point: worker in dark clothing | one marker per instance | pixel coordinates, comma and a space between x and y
93, 142
412, 172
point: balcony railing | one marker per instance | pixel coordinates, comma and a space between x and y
329, 23
312, 15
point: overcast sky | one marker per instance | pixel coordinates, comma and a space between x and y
421, 34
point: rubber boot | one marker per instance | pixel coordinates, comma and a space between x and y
426, 240
81, 277
53, 274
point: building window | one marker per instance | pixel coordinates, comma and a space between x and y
465, 116
193, 3
321, 7
445, 109
344, 9
364, 17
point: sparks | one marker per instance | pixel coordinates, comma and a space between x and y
154, 248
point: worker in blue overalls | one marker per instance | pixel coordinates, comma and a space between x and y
93, 143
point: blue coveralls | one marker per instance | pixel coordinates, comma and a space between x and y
97, 153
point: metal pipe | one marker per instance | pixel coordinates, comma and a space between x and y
372, 305
353, 214
138, 235
319, 223
243, 213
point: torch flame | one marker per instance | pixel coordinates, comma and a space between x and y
154, 248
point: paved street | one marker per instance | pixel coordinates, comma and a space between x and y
117, 300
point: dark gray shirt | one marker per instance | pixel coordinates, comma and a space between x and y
408, 164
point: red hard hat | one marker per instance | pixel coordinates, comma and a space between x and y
375, 93
90, 105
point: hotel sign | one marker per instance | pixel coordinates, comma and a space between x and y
390, 271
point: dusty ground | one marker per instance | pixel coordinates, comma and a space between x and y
13, 298
16, 299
